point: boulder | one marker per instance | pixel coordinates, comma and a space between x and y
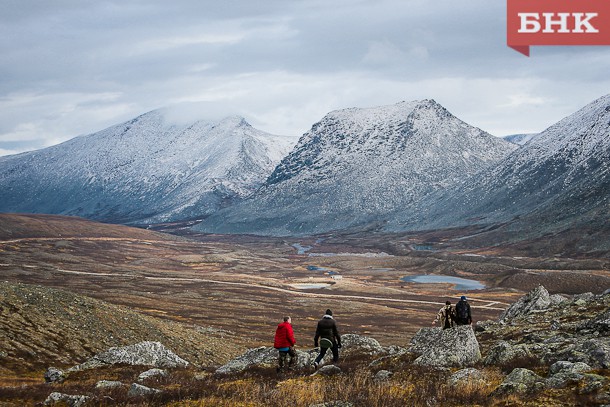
141, 354
357, 344
563, 366
137, 390
108, 384
505, 354
152, 373
536, 300
267, 356
54, 375
328, 370
520, 381
454, 347
466, 376
263, 357
65, 399
383, 376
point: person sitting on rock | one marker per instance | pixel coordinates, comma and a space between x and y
327, 336
446, 315
284, 342
462, 312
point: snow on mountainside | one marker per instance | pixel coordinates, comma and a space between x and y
146, 170
520, 139
356, 165
558, 181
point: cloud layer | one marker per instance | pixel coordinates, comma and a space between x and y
71, 68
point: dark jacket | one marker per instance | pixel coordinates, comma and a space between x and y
327, 328
284, 336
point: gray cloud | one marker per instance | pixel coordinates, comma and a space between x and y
73, 67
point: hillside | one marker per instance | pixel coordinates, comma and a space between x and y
545, 350
41, 326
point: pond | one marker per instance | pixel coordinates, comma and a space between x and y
310, 286
461, 284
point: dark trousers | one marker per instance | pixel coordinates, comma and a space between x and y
284, 355
335, 350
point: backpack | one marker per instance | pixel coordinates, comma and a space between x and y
461, 310
326, 343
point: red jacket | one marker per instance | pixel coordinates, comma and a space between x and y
284, 336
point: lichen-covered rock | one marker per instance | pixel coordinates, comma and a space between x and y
536, 300
140, 354
563, 366
466, 376
66, 399
54, 375
263, 356
108, 384
328, 370
358, 344
383, 376
455, 347
152, 373
520, 381
137, 390
505, 354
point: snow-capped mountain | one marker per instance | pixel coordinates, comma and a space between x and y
520, 139
558, 182
147, 170
357, 165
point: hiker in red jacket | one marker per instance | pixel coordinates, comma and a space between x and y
284, 342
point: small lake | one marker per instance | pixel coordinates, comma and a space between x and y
310, 286
461, 284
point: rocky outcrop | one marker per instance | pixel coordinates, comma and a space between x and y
536, 300
382, 376
267, 356
454, 347
152, 373
328, 370
505, 354
358, 344
54, 375
65, 399
520, 381
108, 384
137, 390
467, 376
141, 354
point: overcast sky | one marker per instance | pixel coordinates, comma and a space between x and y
71, 67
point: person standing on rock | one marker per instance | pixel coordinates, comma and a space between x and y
327, 337
462, 312
284, 342
446, 315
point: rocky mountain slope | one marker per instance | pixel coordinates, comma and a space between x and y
558, 183
147, 170
357, 165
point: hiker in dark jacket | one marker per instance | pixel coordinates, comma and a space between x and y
284, 342
446, 315
462, 312
327, 336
